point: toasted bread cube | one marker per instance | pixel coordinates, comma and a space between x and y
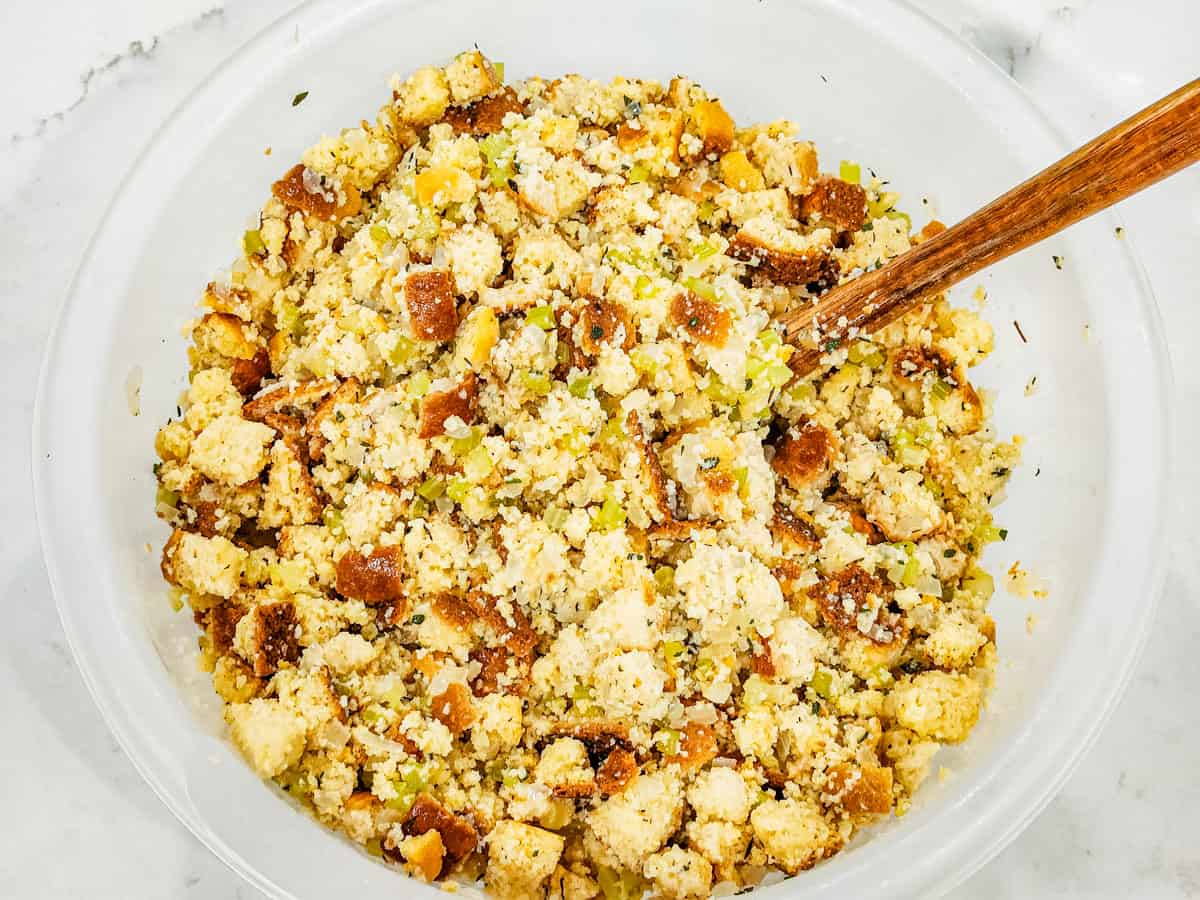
270, 736
679, 874
429, 297
637, 822
203, 565
476, 338
454, 708
424, 854
458, 834
739, 173
939, 705
437, 406
423, 98
290, 497
471, 76
565, 769
794, 834
231, 450
713, 125
720, 793
837, 203
375, 579
521, 858
266, 637
863, 789
805, 455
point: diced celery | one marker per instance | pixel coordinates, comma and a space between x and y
464, 445
613, 430
667, 741
642, 360
644, 288
755, 366
374, 847
536, 382
802, 392
822, 683
432, 488
769, 338
940, 389
580, 386
901, 216
673, 649
332, 517
581, 693
427, 228
701, 288
380, 234
542, 317
419, 508
403, 351
289, 320
912, 571
619, 884
742, 474
420, 383
167, 498
979, 583
850, 172
611, 515
664, 579
252, 243
374, 714
778, 374
638, 173
496, 150
478, 464
707, 208
498, 68
881, 677
721, 393
703, 250
458, 490
395, 695
555, 518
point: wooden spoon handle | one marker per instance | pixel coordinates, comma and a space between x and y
1156, 142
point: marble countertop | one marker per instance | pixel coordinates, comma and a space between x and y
81, 100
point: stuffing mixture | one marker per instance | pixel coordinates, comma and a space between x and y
519, 552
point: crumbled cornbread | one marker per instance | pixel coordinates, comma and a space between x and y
520, 554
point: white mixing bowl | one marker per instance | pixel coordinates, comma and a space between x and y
872, 81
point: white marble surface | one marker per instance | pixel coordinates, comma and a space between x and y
81, 98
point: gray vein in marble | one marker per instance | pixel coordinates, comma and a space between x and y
137, 51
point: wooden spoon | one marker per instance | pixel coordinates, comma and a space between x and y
1147, 147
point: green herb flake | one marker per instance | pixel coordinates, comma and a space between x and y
299, 98
418, 618
1058, 262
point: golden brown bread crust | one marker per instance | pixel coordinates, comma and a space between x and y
275, 640
438, 406
458, 835
430, 299
375, 579
292, 191
703, 320
785, 266
805, 454
836, 204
